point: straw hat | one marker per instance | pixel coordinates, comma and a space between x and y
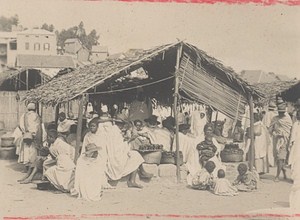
281, 107
104, 118
91, 148
272, 105
152, 118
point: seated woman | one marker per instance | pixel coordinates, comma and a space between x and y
59, 169
121, 161
209, 149
222, 186
90, 178
136, 137
246, 181
204, 179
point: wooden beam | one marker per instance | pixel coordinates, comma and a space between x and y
176, 94
79, 128
56, 113
27, 79
251, 149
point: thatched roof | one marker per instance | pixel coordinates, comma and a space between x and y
270, 90
75, 83
44, 61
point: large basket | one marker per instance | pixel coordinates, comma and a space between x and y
171, 158
231, 157
7, 141
152, 157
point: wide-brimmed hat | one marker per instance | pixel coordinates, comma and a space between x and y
281, 107
272, 106
91, 148
169, 122
104, 118
152, 118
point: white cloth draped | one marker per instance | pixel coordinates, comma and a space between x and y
121, 161
197, 123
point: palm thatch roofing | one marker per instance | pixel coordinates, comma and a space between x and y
85, 79
271, 89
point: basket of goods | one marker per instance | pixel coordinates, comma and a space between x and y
169, 157
232, 153
151, 153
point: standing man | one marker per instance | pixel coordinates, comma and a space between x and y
280, 128
31, 128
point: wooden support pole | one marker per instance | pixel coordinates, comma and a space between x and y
56, 113
79, 128
27, 79
251, 150
176, 94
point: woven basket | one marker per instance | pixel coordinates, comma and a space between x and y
7, 141
170, 158
231, 157
153, 157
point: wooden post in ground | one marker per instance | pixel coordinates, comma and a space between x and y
27, 79
251, 150
176, 95
79, 127
56, 113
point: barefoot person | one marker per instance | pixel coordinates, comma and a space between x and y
280, 128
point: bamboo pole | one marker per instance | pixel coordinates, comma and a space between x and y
56, 113
179, 49
251, 150
79, 128
27, 79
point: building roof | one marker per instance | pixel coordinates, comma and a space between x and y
259, 76
99, 49
35, 32
222, 81
44, 61
8, 35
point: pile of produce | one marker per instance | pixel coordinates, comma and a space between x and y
232, 153
150, 147
232, 149
206, 150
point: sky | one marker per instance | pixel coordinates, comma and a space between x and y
244, 37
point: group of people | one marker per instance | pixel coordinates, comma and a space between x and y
110, 150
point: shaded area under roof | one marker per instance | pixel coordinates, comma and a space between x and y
293, 93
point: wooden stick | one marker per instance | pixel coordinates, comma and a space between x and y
27, 79
251, 150
79, 128
179, 50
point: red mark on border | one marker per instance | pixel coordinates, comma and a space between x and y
169, 216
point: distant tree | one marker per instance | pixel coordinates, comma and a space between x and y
80, 33
7, 23
48, 27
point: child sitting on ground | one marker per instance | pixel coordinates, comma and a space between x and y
203, 180
222, 186
246, 180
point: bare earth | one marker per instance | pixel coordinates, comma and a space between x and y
160, 199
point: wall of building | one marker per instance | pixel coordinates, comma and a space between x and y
95, 57
83, 55
36, 44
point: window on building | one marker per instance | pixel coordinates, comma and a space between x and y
27, 46
37, 46
13, 45
46, 46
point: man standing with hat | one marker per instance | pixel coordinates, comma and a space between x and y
280, 128
31, 128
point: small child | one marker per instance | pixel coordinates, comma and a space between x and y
203, 180
246, 180
223, 187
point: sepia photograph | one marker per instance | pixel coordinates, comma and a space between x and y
149, 109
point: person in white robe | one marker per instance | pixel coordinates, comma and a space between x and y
121, 161
198, 121
59, 167
294, 161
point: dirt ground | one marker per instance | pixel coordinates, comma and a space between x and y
159, 199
